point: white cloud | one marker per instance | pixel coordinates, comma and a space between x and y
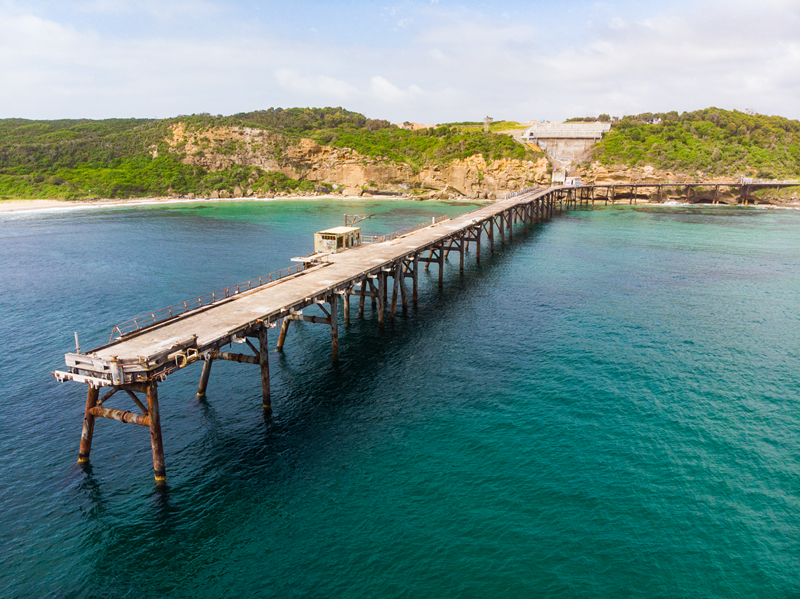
157, 9
469, 64
315, 85
388, 92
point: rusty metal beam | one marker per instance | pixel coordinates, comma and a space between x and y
283, 333
88, 425
415, 283
381, 296
233, 357
334, 322
136, 401
263, 360
156, 441
107, 396
362, 297
307, 318
251, 346
201, 388
121, 416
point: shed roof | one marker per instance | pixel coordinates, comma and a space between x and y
340, 230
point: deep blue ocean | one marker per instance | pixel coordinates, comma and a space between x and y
608, 406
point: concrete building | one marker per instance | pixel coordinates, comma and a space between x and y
565, 141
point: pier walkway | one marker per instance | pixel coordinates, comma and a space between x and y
137, 360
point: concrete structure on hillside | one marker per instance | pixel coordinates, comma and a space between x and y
565, 141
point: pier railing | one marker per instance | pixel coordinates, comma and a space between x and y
520, 192
406, 231
175, 310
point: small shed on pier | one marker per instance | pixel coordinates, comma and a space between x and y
338, 239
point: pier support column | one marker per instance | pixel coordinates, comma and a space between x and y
441, 265
156, 442
510, 216
398, 266
403, 297
263, 362
490, 232
201, 388
346, 307
362, 297
478, 245
334, 304
461, 254
415, 282
282, 334
88, 425
502, 229
381, 295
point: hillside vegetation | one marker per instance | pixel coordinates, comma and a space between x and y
119, 158
712, 141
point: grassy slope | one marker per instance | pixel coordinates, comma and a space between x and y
425, 146
72, 159
714, 141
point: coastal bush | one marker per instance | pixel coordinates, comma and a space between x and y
424, 146
139, 177
713, 141
120, 158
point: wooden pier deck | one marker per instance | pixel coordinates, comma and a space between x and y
136, 362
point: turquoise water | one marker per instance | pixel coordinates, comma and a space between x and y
608, 407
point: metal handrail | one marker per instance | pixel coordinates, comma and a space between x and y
170, 312
406, 231
750, 181
520, 192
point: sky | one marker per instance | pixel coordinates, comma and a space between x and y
429, 61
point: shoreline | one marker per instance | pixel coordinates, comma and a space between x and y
25, 206
21, 206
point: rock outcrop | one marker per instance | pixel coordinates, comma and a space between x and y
304, 159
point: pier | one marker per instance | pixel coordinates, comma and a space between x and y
144, 351
619, 192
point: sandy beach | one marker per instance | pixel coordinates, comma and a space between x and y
40, 205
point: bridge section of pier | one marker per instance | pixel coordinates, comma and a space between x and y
143, 352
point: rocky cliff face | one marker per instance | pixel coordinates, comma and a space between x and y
304, 159
474, 178
602, 175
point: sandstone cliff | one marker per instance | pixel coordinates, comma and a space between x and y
352, 173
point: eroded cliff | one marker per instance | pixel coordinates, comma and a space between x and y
347, 171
